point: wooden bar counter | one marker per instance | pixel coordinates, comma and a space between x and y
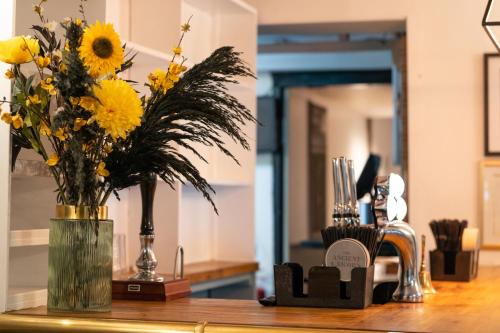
457, 307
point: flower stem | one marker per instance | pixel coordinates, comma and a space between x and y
105, 197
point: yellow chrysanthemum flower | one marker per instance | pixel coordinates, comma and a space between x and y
9, 74
48, 86
43, 62
6, 117
159, 80
119, 110
177, 50
176, 69
17, 121
62, 67
33, 100
101, 49
44, 129
61, 134
101, 169
78, 124
88, 103
74, 100
53, 160
19, 50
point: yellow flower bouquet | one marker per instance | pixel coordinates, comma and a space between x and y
95, 133
97, 136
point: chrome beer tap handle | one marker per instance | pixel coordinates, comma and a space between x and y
347, 212
338, 198
352, 188
400, 234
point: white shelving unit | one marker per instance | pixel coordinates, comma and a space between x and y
6, 31
229, 235
182, 216
32, 237
32, 202
22, 298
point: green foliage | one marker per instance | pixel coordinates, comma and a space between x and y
75, 81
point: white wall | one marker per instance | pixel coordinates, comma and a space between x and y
197, 232
297, 164
264, 221
445, 94
55, 10
234, 227
381, 144
206, 236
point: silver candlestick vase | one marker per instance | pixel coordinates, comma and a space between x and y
146, 262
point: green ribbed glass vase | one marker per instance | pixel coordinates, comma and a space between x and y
80, 265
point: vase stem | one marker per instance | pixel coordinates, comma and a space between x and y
148, 188
146, 263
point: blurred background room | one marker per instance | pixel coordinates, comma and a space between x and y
395, 85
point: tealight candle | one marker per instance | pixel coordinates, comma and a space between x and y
470, 239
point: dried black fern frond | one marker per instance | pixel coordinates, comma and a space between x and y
75, 80
198, 109
129, 60
18, 142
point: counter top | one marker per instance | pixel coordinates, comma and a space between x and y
205, 271
457, 307
213, 270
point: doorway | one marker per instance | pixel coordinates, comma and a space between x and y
324, 93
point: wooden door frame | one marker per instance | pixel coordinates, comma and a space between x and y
282, 82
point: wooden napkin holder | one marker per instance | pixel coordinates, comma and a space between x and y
454, 266
325, 288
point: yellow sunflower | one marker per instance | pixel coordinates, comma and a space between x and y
101, 49
119, 110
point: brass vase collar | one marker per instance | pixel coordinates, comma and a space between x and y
70, 212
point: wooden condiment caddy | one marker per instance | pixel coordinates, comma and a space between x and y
454, 266
325, 287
